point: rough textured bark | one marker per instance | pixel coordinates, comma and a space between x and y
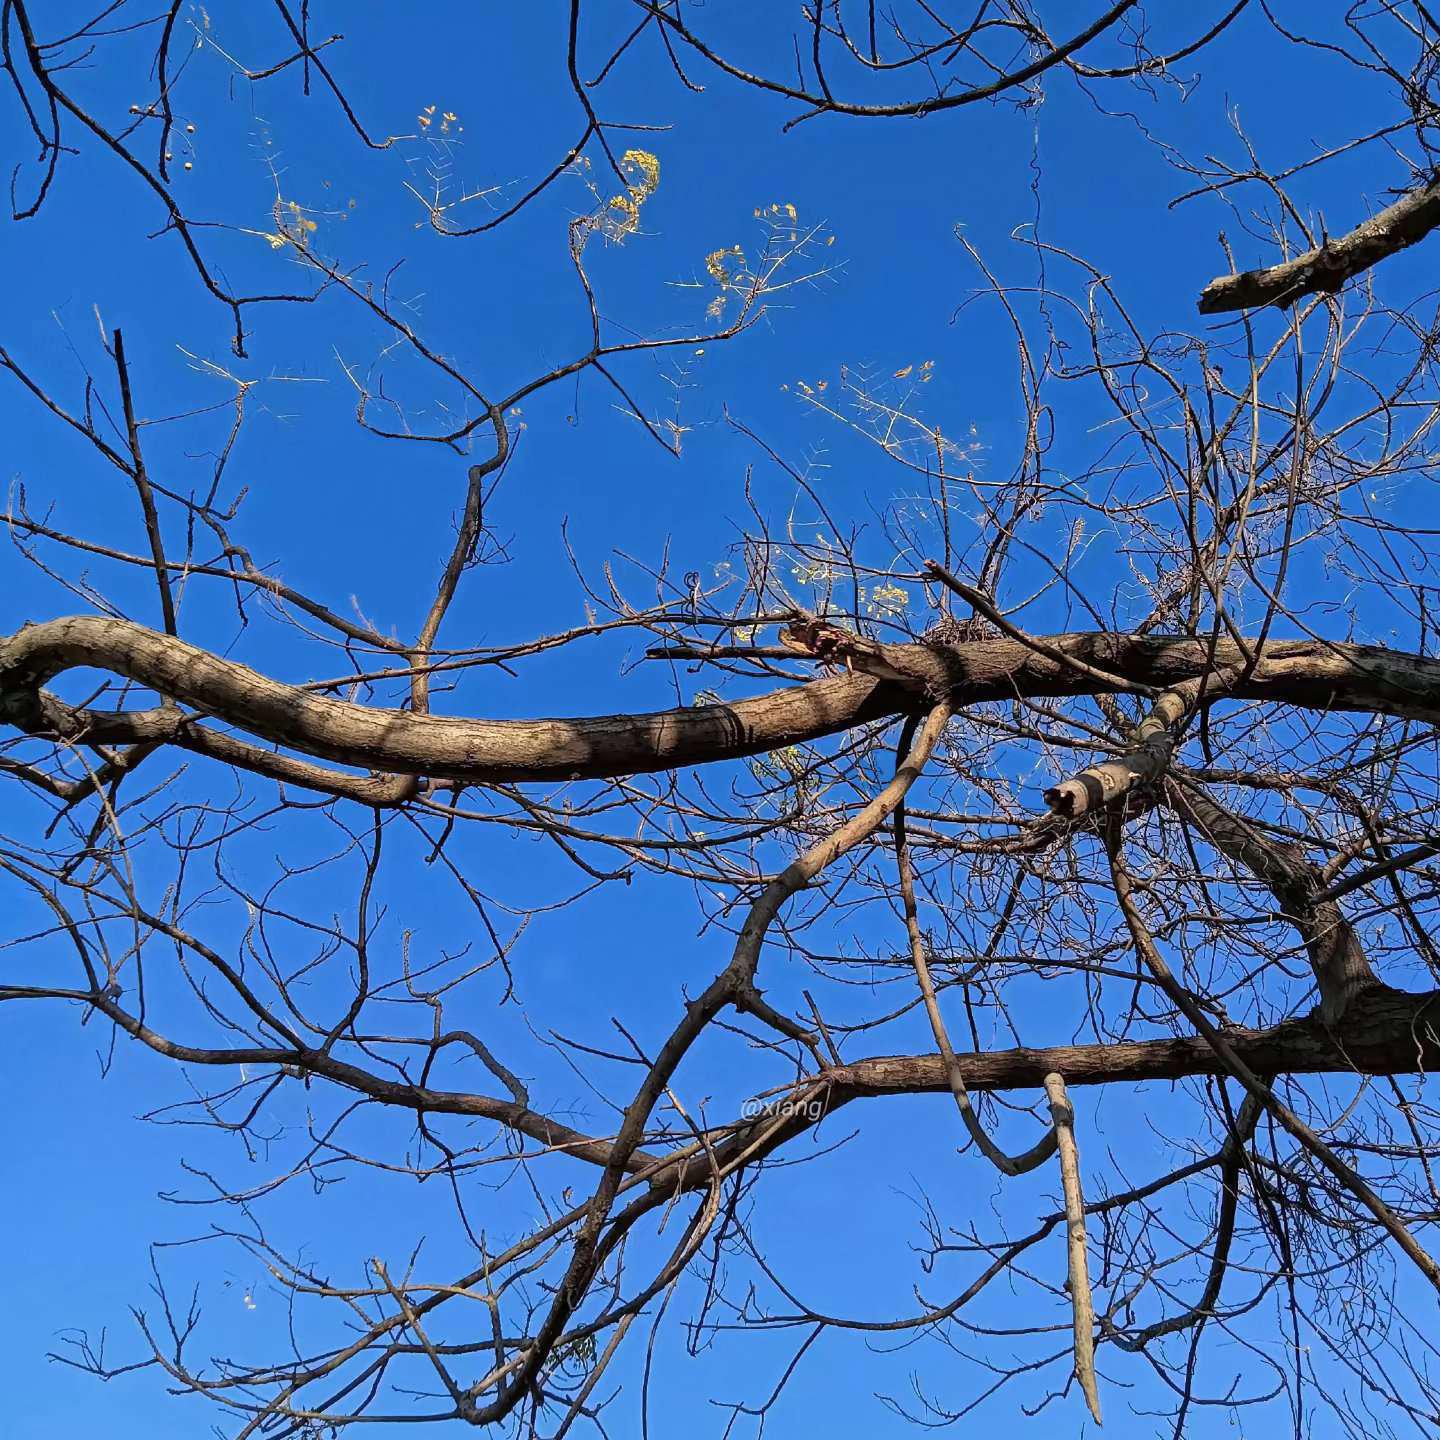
1146, 756
1385, 1032
1326, 268
890, 680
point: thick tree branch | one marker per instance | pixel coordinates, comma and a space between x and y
1342, 969
1146, 755
1386, 1032
892, 680
1328, 267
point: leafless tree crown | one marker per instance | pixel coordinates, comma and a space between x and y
1090, 783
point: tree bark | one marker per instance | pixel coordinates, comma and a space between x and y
1328, 267
886, 680
1385, 1032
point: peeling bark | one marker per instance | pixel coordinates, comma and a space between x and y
1147, 753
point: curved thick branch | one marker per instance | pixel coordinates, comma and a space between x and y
886, 680
1384, 1032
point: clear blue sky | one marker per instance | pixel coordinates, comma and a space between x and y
342, 514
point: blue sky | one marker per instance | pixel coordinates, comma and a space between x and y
340, 514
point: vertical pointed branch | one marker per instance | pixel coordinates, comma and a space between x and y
1063, 1113
461, 556
142, 488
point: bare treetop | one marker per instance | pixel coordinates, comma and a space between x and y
1023, 847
